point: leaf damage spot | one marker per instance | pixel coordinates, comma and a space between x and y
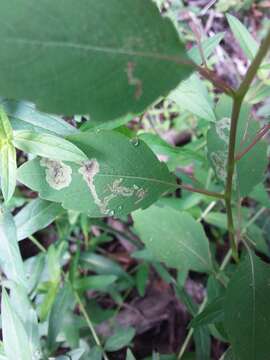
58, 174
133, 80
223, 129
90, 169
219, 160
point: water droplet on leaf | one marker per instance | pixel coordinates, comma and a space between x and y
135, 141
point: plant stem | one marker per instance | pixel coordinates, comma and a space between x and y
89, 323
37, 243
257, 138
238, 101
183, 349
216, 81
230, 172
201, 191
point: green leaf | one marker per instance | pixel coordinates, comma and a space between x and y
192, 95
6, 131
94, 282
8, 171
48, 300
24, 116
130, 356
121, 338
142, 276
20, 301
260, 194
96, 353
10, 257
174, 237
107, 184
246, 41
101, 264
246, 308
208, 46
251, 168
202, 343
60, 306
93, 125
109, 68
35, 216
212, 313
228, 355
47, 145
14, 335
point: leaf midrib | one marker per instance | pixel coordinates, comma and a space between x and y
101, 49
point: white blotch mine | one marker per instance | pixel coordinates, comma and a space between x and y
58, 174
223, 129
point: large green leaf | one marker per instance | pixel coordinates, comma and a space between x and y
120, 176
15, 339
246, 305
250, 169
174, 237
113, 57
10, 257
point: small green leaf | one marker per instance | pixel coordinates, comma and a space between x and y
130, 356
81, 68
246, 41
10, 257
192, 96
246, 309
142, 275
48, 146
107, 184
24, 116
208, 46
35, 216
8, 171
101, 264
212, 313
15, 339
94, 282
174, 237
6, 131
60, 306
121, 338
